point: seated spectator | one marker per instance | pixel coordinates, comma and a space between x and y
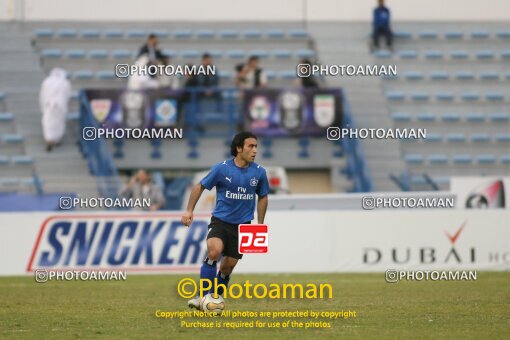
140, 187
249, 75
308, 81
151, 50
207, 80
381, 25
53, 100
171, 81
140, 81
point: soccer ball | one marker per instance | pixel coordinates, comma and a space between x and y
212, 303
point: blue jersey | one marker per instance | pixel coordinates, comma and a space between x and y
235, 190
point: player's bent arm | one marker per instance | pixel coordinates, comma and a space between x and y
187, 218
262, 208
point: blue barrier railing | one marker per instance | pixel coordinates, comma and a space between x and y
356, 164
97, 153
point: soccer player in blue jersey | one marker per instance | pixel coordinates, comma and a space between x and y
238, 181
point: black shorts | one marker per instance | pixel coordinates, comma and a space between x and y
229, 234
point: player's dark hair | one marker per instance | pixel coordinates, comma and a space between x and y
253, 58
206, 55
238, 141
151, 36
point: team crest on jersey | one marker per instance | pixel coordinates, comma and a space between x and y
254, 182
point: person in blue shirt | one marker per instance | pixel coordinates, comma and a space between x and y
381, 25
238, 181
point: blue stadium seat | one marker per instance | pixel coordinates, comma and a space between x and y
408, 54
183, 34
136, 33
3, 95
190, 54
83, 74
494, 96
275, 34
236, 54
215, 53
420, 96
228, 34
465, 75
480, 138
426, 117
450, 117
98, 54
456, 137
22, 160
382, 54
427, 35
9, 181
439, 75
271, 75
205, 34
459, 54
453, 35
227, 75
287, 75
305, 53
252, 34
503, 34
170, 53
4, 160
282, 54
6, 117
160, 33
13, 138
297, 33
53, 53
502, 137
445, 96
475, 117
75, 54
402, 35
67, 33
105, 74
90, 33
433, 54
43, 33
486, 159
489, 75
433, 137
469, 96
505, 54
113, 33
74, 95
462, 159
394, 96
121, 54
260, 53
401, 117
413, 75
480, 34
499, 117
414, 158
438, 159
505, 159
484, 55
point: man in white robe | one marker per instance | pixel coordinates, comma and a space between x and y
141, 80
53, 100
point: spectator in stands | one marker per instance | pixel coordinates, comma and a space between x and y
165, 80
249, 75
381, 25
308, 81
152, 51
207, 80
53, 100
140, 187
140, 81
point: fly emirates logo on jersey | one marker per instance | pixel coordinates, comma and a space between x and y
241, 194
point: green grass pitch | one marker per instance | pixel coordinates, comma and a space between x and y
126, 309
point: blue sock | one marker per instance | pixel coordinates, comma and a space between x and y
222, 279
208, 271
